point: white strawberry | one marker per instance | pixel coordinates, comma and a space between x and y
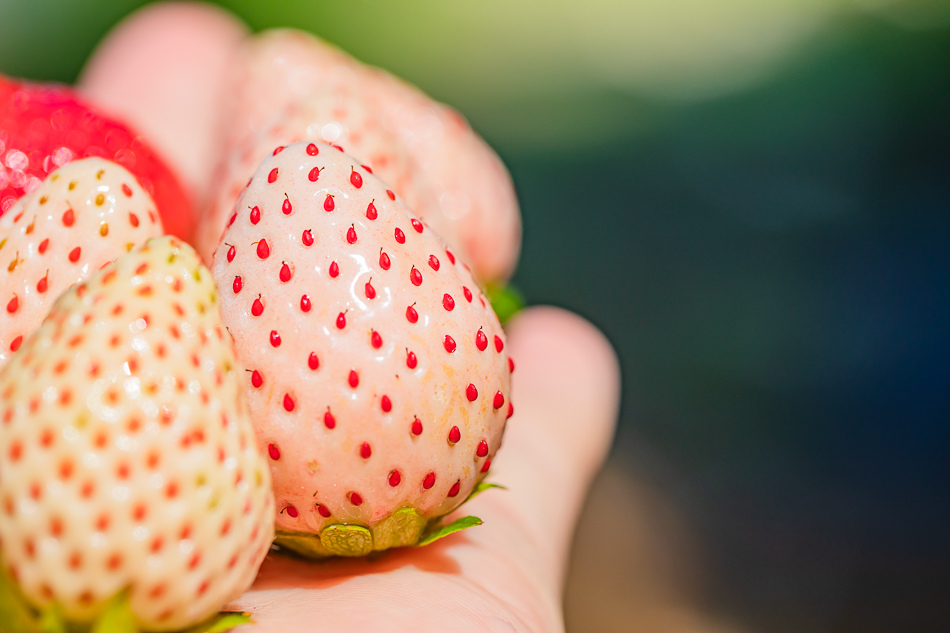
82, 216
129, 462
377, 374
289, 87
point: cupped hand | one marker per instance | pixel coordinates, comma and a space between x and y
505, 575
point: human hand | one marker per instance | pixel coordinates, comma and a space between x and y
506, 575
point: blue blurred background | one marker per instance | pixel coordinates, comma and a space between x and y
752, 199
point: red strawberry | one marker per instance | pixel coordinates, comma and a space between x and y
290, 87
82, 216
44, 126
377, 374
129, 462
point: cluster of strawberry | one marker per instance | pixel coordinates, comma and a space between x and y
330, 373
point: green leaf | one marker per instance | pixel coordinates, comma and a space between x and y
480, 488
506, 301
116, 616
221, 622
52, 621
455, 526
16, 615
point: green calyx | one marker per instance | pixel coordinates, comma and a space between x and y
505, 300
17, 615
403, 528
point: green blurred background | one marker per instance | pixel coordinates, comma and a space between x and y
752, 199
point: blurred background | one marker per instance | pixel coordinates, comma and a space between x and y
752, 199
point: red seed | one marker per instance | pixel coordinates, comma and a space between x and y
511, 410
231, 252
511, 364
328, 203
429, 481
292, 512
334, 269
69, 217
367, 168
353, 379
376, 340
411, 360
285, 273
481, 341
448, 302
394, 478
323, 510
449, 344
351, 235
416, 224
314, 174
486, 466
45, 244
454, 435
237, 285
467, 293
369, 290
257, 379
126, 190
328, 420
272, 176
451, 257
365, 450
273, 451
415, 276
307, 238
471, 393
416, 427
133, 219
274, 338
305, 303
355, 179
286, 207
233, 218
498, 401
341, 321
434, 262
313, 361
43, 284
411, 314
356, 499
74, 254
255, 214
482, 449
399, 235
312, 149
263, 250
383, 260
278, 150
386, 404
391, 195
288, 403
371, 212
15, 343
257, 308
13, 304
499, 344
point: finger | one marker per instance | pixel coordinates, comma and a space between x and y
566, 390
161, 70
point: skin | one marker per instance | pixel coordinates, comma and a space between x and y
506, 575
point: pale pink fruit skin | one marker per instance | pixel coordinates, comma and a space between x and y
313, 464
99, 192
205, 447
289, 86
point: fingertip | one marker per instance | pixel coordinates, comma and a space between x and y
162, 70
568, 381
